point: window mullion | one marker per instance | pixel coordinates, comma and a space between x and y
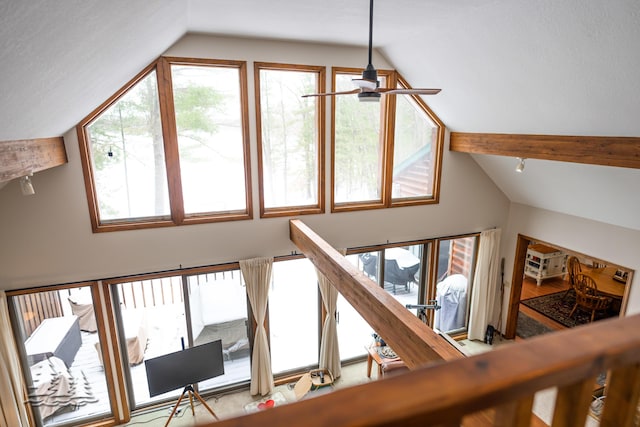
387, 131
170, 136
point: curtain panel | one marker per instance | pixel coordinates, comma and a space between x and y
485, 285
13, 412
257, 276
329, 349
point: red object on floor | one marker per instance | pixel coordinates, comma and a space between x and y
267, 404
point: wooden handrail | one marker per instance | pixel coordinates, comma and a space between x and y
504, 379
496, 388
412, 340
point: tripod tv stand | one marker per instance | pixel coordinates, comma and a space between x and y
196, 364
191, 392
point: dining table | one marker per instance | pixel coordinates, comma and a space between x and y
607, 285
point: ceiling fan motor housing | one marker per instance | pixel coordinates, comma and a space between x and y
371, 74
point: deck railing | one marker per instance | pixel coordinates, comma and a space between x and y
496, 388
161, 291
36, 307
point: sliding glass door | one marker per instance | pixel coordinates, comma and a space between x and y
218, 308
157, 318
151, 322
60, 345
456, 262
293, 315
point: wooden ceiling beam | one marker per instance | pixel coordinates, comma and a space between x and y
27, 156
410, 338
593, 150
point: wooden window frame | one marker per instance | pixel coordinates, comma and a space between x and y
437, 157
384, 109
119, 408
320, 72
387, 133
177, 217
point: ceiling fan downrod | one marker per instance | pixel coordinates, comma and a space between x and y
370, 73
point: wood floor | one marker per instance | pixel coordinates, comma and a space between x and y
531, 290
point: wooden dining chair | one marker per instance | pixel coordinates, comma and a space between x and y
573, 269
587, 297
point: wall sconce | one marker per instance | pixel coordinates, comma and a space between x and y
520, 166
27, 186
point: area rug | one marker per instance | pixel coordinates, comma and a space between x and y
554, 307
528, 327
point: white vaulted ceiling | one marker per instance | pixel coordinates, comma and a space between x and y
505, 66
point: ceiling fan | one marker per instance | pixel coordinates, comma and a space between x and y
368, 87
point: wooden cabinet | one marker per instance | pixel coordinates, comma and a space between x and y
543, 262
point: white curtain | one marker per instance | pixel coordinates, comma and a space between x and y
329, 350
257, 276
12, 410
485, 285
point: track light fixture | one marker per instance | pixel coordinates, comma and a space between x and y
26, 185
520, 166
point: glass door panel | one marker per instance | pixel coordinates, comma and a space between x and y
354, 333
151, 320
293, 315
57, 335
456, 258
218, 307
402, 267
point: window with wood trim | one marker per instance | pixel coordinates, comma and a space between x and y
61, 342
359, 152
170, 148
417, 150
293, 316
156, 320
290, 138
385, 153
457, 259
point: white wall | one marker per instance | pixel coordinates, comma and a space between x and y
47, 238
607, 242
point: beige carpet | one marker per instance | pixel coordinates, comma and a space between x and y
232, 404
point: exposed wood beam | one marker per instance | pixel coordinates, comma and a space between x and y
593, 150
411, 339
25, 156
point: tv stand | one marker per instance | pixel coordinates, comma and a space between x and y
191, 392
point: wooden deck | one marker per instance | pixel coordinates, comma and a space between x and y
88, 365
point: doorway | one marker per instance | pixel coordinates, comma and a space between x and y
520, 259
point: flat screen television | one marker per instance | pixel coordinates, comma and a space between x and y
182, 368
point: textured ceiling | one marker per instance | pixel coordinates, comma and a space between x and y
506, 66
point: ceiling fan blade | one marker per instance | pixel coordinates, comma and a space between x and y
363, 83
348, 92
414, 91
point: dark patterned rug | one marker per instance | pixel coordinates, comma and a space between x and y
528, 327
554, 307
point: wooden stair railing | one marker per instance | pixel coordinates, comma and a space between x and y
504, 379
410, 338
445, 389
